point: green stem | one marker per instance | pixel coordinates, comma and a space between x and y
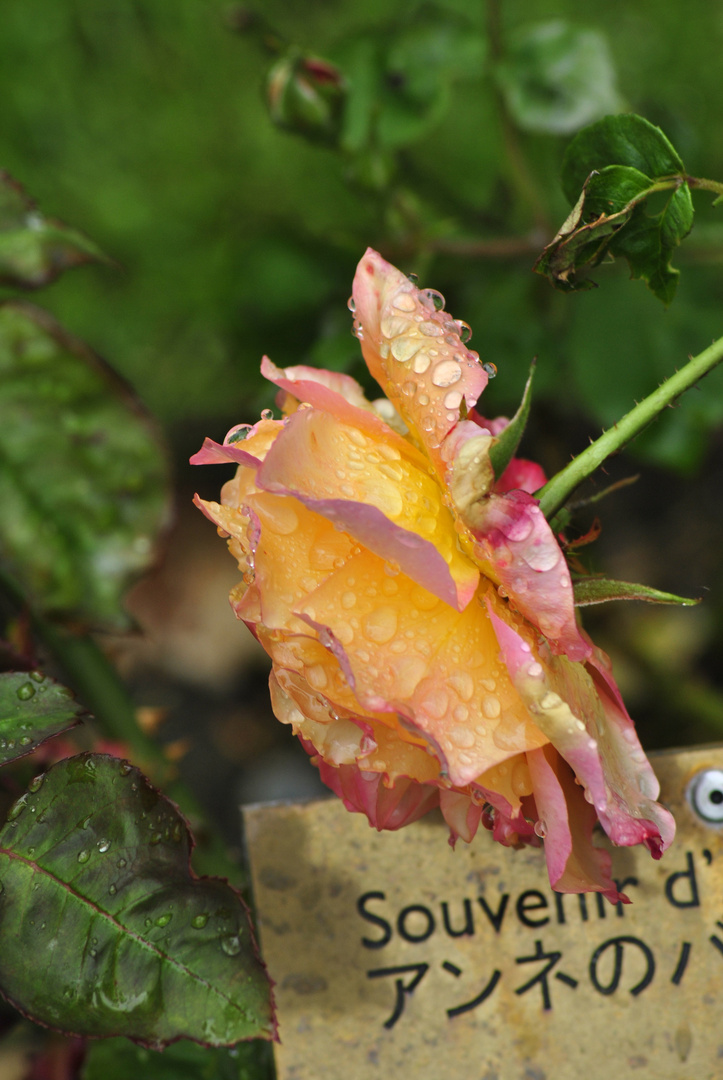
558, 490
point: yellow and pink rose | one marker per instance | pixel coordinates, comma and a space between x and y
418, 612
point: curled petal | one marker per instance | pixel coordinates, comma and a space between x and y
514, 539
366, 793
415, 353
584, 723
574, 864
376, 494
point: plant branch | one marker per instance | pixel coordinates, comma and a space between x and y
554, 494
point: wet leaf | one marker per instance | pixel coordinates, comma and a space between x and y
625, 139
83, 482
97, 885
32, 708
34, 249
622, 164
118, 1059
598, 590
505, 447
557, 77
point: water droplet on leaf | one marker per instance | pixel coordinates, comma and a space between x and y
26, 691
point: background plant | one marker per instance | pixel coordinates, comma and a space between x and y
233, 164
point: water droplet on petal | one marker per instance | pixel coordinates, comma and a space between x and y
421, 362
491, 707
414, 278
540, 829
267, 414
490, 370
464, 330
404, 301
351, 304
446, 373
436, 298
404, 348
453, 399
431, 329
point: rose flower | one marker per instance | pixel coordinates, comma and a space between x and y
419, 614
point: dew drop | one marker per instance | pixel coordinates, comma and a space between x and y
541, 829
26, 691
163, 920
490, 370
414, 278
436, 298
348, 600
37, 676
112, 890
125, 768
199, 921
423, 399
231, 945
404, 301
103, 845
453, 400
156, 838
351, 304
431, 329
551, 700
535, 670
446, 373
121, 863
25, 740
491, 707
36, 783
83, 856
16, 810
404, 348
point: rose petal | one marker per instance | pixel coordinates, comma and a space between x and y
415, 353
369, 489
340, 396
366, 793
522, 554
574, 864
573, 708
407, 653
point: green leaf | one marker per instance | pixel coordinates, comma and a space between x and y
610, 218
505, 447
34, 249
118, 1059
83, 482
625, 139
557, 77
598, 590
97, 888
33, 708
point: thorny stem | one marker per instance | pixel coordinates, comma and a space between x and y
558, 490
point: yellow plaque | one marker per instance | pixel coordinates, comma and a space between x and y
395, 956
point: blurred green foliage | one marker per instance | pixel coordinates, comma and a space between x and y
144, 124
